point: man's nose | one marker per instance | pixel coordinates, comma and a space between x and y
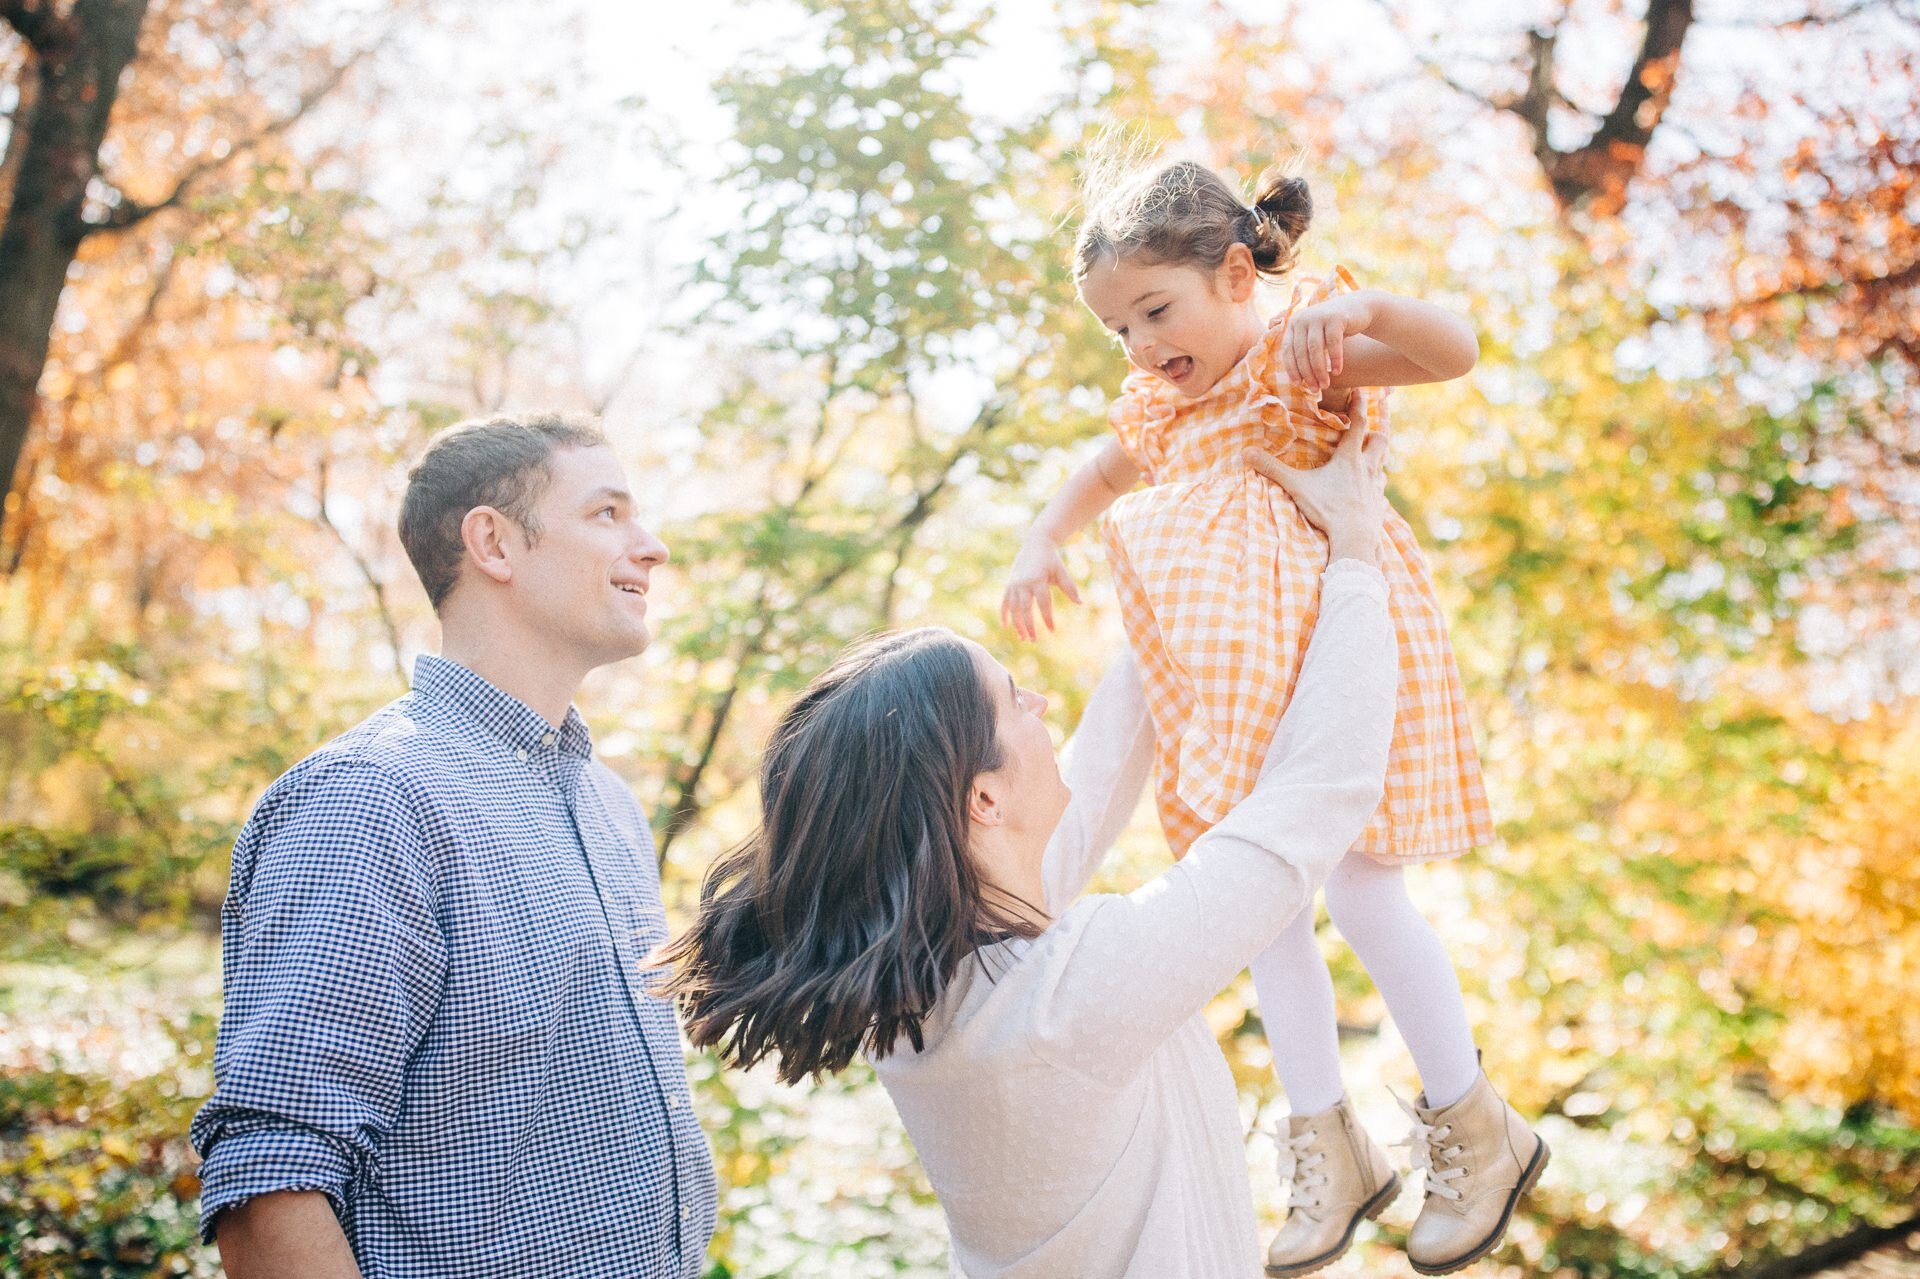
647, 548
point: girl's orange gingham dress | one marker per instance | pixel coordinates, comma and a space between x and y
1218, 577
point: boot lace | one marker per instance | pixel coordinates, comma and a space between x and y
1429, 1153
1297, 1173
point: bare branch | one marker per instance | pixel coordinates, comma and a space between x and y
1811, 18
1875, 283
129, 344
129, 213
604, 398
1597, 171
372, 579
1857, 1242
685, 808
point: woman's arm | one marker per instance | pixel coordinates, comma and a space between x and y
1038, 568
1370, 338
1105, 765
1134, 968
1131, 969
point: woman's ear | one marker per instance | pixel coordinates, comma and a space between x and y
984, 806
485, 533
1238, 277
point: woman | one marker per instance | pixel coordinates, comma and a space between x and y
911, 894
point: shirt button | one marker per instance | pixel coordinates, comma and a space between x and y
521, 754
548, 739
673, 1103
685, 1212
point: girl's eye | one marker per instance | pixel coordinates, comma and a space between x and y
1158, 311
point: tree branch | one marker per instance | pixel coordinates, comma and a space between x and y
1857, 1242
1597, 172
1883, 283
684, 809
1811, 18
37, 24
372, 579
1432, 65
129, 213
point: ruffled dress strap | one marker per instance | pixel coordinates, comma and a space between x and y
1136, 416
1286, 406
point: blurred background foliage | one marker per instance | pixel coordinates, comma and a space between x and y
1673, 513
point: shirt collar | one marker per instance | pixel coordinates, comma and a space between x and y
522, 728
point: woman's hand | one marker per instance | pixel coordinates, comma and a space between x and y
1346, 498
1037, 571
1315, 350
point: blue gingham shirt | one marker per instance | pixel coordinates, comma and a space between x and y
437, 1011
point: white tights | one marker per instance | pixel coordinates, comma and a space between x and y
1368, 903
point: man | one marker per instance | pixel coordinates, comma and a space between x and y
439, 1054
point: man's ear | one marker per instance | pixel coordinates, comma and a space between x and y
983, 801
1238, 276
486, 533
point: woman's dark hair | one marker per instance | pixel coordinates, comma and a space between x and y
1185, 214
839, 922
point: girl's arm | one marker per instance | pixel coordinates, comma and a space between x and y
1038, 568
1370, 338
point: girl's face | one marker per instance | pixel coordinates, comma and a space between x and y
1182, 323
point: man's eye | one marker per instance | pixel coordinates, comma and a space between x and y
606, 510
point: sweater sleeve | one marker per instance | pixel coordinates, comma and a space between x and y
1124, 971
1105, 766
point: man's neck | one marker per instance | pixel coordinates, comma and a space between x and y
537, 673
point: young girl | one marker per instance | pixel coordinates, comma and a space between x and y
1217, 574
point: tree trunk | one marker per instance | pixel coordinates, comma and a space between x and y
77, 61
17, 133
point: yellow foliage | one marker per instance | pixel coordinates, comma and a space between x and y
1847, 965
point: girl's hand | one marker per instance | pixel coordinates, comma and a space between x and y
1315, 350
1037, 571
1346, 498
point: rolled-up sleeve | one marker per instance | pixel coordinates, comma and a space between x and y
333, 966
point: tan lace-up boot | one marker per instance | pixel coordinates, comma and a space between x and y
1479, 1157
1339, 1177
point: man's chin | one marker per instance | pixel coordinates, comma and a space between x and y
629, 641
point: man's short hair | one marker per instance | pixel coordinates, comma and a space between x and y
500, 461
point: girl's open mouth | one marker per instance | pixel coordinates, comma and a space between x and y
1178, 369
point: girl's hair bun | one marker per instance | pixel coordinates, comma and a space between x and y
1280, 215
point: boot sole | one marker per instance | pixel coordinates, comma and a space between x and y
1535, 1167
1369, 1211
